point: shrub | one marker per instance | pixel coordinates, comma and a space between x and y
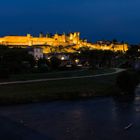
4, 72
127, 81
55, 63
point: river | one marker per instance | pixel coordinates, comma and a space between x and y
96, 119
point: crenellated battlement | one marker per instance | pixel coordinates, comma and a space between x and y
63, 40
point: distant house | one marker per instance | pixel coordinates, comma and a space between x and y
37, 52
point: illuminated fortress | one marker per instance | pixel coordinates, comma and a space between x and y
60, 43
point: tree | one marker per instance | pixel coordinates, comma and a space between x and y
17, 60
127, 81
55, 62
43, 65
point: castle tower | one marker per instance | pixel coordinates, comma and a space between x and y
30, 42
41, 35
76, 37
28, 35
56, 36
64, 37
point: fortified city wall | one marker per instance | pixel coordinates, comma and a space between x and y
70, 43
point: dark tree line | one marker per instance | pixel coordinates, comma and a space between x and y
98, 57
14, 61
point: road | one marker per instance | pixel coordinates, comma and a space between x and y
117, 70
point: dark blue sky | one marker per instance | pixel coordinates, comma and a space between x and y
95, 19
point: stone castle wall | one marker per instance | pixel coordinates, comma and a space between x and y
72, 39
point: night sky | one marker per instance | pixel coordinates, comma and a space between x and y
95, 19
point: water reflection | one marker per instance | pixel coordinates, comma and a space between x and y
123, 110
124, 98
137, 100
101, 118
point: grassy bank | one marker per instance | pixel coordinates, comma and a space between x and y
54, 90
56, 74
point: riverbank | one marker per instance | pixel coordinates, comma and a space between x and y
74, 88
97, 119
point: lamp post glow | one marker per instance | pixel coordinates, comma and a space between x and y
62, 58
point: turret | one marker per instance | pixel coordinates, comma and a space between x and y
28, 35
41, 35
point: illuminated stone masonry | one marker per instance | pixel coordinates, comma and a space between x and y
60, 43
